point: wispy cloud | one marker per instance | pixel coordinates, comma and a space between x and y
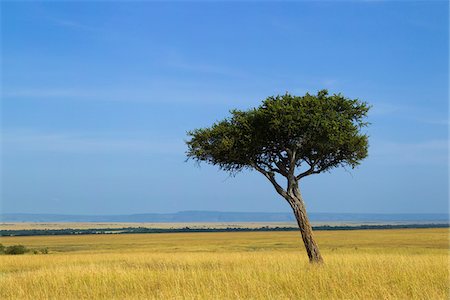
417, 114
32, 141
330, 83
436, 121
75, 25
45, 93
157, 91
205, 68
429, 152
379, 109
176, 60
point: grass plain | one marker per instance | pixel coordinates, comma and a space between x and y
359, 264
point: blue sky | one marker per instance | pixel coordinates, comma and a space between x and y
97, 98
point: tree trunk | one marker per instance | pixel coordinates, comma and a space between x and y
299, 209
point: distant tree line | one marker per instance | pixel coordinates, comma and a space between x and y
130, 230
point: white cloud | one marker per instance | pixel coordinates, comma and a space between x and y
158, 91
437, 121
431, 152
379, 109
419, 114
32, 141
46, 93
206, 68
75, 25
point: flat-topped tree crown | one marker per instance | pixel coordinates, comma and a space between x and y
290, 136
320, 131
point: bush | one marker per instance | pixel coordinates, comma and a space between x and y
2, 249
16, 249
40, 251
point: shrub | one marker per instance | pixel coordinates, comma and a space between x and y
2, 249
40, 251
16, 249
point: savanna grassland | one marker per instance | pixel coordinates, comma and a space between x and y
359, 264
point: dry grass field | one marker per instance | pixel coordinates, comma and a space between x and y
360, 264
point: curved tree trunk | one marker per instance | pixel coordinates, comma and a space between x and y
297, 204
294, 198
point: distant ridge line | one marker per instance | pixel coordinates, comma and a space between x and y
217, 216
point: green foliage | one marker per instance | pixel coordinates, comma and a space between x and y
20, 249
16, 249
319, 131
40, 251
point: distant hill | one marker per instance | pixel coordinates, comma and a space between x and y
215, 216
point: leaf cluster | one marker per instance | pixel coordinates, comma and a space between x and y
321, 131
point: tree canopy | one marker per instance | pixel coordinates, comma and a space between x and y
313, 133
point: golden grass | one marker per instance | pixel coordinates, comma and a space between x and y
363, 264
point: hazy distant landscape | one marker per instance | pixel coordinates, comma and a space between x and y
206, 221
214, 216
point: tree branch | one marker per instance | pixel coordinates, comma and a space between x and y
292, 162
271, 178
322, 164
282, 168
310, 171
306, 173
271, 168
291, 180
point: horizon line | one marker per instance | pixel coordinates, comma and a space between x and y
218, 211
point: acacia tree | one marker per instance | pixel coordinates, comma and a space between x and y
287, 138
